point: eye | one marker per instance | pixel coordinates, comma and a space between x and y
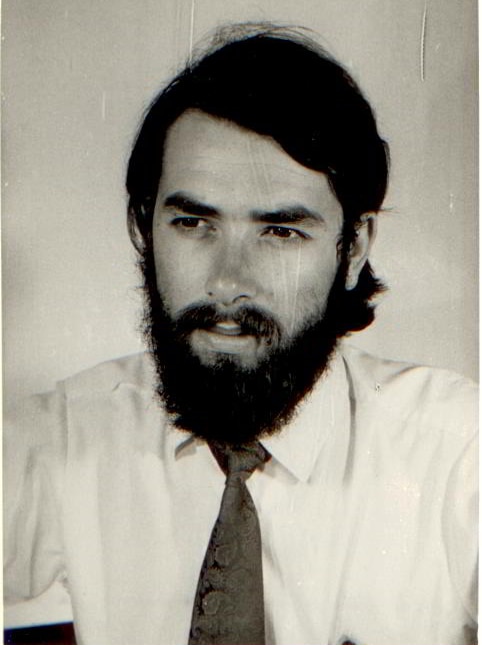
192, 225
188, 222
285, 233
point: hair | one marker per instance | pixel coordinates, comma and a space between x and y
278, 83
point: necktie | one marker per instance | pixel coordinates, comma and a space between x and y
228, 607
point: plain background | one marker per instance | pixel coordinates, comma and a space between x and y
77, 76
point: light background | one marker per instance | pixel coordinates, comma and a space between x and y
76, 78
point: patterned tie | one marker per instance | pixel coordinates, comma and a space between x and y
228, 607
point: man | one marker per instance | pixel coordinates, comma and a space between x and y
338, 485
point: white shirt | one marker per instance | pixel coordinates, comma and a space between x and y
367, 508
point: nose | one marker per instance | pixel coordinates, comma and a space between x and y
231, 278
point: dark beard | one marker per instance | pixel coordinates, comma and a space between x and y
224, 401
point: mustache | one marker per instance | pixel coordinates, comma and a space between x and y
251, 320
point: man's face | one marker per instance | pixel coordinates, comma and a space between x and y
240, 224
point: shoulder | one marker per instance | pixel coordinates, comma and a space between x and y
438, 396
421, 415
135, 370
40, 422
112, 406
385, 371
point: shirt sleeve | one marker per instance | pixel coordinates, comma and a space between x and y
34, 456
460, 528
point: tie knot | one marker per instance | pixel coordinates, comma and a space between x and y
239, 459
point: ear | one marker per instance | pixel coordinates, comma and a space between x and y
137, 238
360, 249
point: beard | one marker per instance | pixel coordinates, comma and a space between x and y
224, 401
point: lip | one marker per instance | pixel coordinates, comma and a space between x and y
226, 339
226, 328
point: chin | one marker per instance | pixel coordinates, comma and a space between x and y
216, 360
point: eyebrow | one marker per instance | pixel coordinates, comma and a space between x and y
289, 215
190, 206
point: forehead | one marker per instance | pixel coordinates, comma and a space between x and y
211, 156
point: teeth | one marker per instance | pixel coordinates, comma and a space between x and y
227, 325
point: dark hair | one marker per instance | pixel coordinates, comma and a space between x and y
278, 83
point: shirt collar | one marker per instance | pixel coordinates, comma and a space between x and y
326, 409
297, 446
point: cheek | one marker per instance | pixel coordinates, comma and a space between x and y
301, 283
177, 276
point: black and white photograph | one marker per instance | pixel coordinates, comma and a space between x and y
240, 322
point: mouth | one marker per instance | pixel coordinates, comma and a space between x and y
226, 328
226, 337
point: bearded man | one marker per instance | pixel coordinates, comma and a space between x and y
252, 479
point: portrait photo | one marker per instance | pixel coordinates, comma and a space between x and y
240, 322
